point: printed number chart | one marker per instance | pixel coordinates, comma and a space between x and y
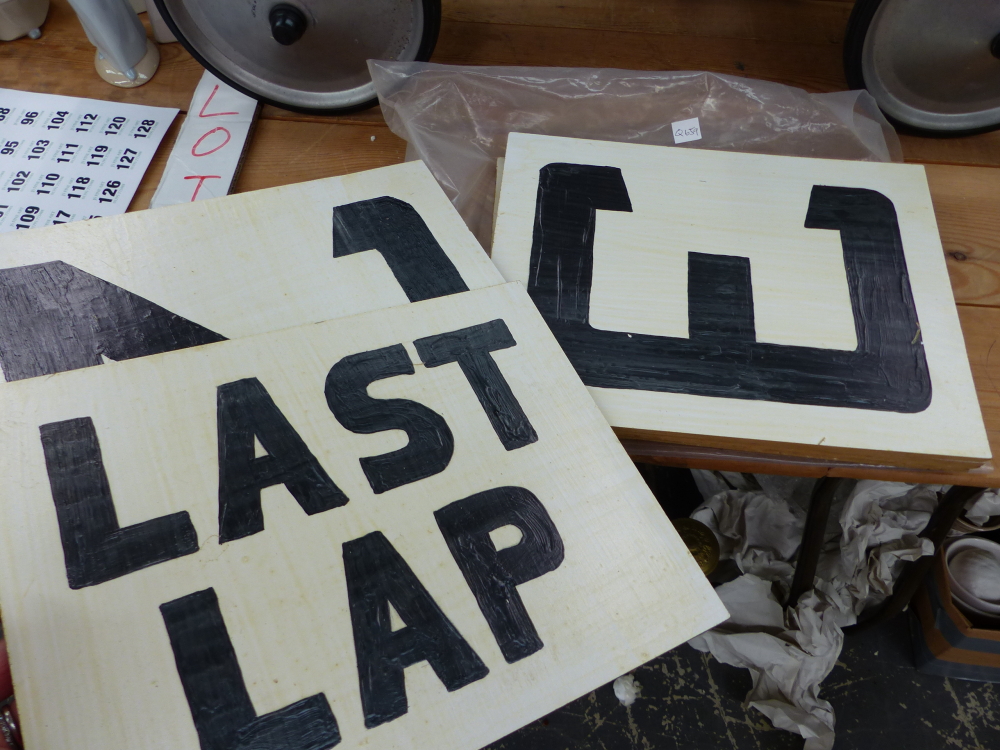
64, 158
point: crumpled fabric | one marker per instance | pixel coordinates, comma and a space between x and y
881, 522
979, 510
762, 549
790, 653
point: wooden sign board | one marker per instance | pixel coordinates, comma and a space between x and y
765, 303
209, 150
410, 528
152, 281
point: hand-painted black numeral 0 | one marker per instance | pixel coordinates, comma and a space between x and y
887, 371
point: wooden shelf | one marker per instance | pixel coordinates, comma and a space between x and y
795, 42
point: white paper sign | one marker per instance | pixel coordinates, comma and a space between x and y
209, 148
686, 130
63, 158
406, 529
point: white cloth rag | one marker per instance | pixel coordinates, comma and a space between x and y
789, 653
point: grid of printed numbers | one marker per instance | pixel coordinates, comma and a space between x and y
63, 159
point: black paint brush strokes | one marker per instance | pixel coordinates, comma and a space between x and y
378, 576
471, 348
887, 371
430, 442
495, 575
395, 229
96, 549
55, 317
246, 410
210, 674
720, 299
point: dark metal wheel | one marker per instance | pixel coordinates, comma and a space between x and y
304, 55
933, 66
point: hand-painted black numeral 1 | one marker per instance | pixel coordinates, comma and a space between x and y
395, 229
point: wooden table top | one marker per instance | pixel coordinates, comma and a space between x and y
795, 42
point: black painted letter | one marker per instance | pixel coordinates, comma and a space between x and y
722, 357
396, 230
95, 548
470, 348
430, 441
377, 576
494, 575
55, 317
720, 299
245, 410
220, 705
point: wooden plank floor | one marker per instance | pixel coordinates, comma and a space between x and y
796, 42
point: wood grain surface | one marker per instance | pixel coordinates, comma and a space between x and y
967, 204
796, 42
624, 335
796, 64
320, 150
290, 618
810, 21
981, 326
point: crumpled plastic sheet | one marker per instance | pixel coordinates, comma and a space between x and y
457, 118
790, 653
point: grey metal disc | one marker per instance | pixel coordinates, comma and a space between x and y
324, 70
929, 65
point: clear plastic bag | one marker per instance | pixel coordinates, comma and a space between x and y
456, 118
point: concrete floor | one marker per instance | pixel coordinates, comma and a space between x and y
691, 702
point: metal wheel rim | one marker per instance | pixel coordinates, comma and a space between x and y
928, 63
325, 71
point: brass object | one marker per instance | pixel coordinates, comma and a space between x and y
700, 541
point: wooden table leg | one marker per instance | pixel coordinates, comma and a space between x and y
812, 537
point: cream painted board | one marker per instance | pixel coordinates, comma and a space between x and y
94, 666
716, 311
229, 267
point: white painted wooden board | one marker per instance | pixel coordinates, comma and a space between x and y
754, 208
236, 266
94, 667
